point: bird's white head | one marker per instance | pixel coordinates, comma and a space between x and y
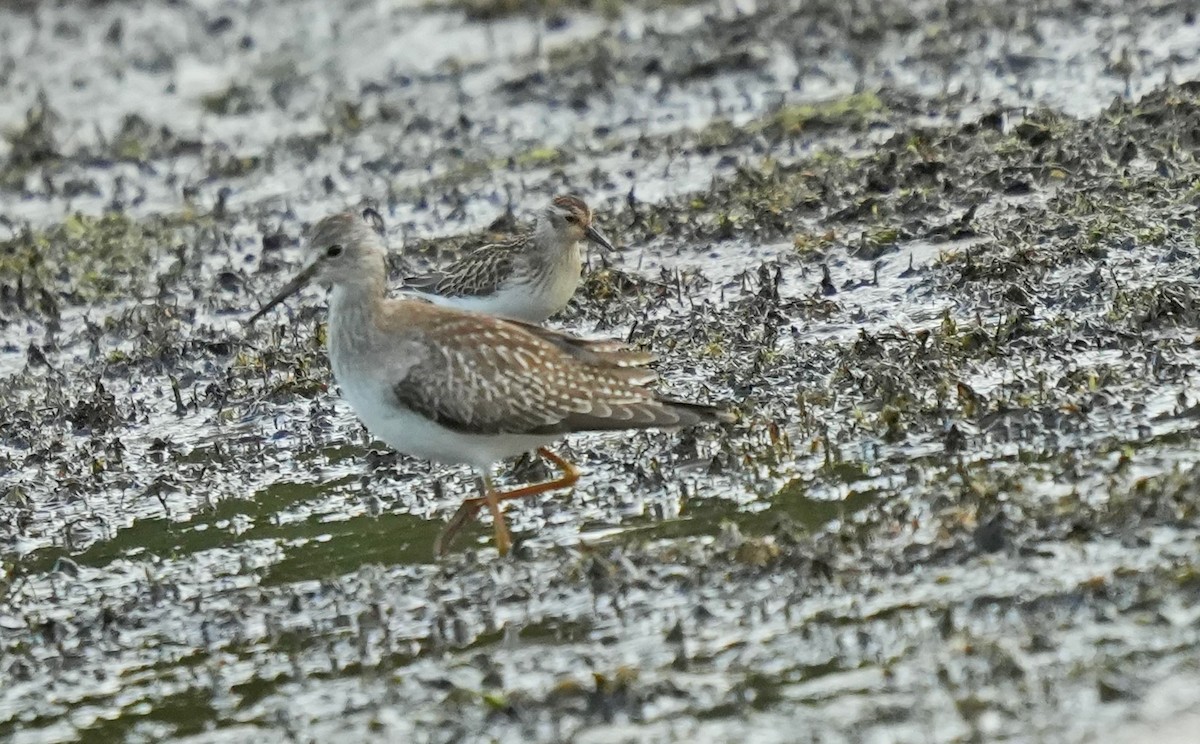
568, 220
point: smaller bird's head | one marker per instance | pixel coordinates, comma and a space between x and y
570, 220
345, 249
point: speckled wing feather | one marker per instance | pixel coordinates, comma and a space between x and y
479, 272
488, 376
595, 351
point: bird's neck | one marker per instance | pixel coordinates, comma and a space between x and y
353, 334
552, 246
355, 305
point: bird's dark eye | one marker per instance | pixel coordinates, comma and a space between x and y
333, 251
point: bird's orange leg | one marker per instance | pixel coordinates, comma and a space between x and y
470, 507
503, 540
570, 474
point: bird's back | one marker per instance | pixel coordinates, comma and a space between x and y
481, 374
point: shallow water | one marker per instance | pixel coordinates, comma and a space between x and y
959, 502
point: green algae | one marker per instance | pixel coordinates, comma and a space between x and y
852, 113
86, 258
236, 100
541, 157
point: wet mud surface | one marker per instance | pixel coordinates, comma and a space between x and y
941, 258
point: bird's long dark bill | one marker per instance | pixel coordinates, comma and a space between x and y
597, 237
288, 290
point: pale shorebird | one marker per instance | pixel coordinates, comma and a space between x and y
460, 387
529, 278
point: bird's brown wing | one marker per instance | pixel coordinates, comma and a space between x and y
477, 273
605, 352
484, 375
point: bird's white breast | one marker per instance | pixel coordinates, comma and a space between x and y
368, 388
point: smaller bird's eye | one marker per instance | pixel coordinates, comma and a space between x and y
333, 251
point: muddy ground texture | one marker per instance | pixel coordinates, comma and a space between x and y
941, 259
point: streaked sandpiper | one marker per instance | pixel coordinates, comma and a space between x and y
528, 278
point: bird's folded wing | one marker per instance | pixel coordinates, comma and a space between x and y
488, 376
595, 351
476, 273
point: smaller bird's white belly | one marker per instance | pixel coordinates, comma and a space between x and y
525, 302
413, 434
